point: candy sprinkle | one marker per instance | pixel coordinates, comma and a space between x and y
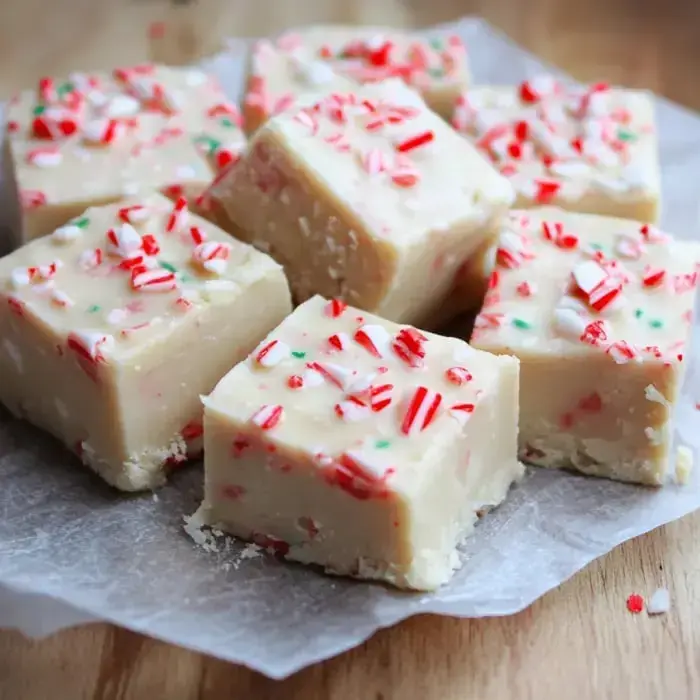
458, 375
178, 217
635, 603
421, 410
271, 353
145, 280
212, 256
409, 345
462, 411
373, 338
268, 416
335, 308
89, 344
133, 214
659, 603
410, 144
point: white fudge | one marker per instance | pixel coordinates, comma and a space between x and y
366, 196
589, 149
334, 57
360, 445
599, 311
95, 139
112, 327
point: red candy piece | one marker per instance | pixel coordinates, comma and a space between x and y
409, 345
335, 308
546, 191
635, 603
150, 245
421, 410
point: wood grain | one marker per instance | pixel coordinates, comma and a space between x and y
578, 641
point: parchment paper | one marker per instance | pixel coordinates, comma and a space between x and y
71, 549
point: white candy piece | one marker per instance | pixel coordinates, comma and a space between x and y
659, 602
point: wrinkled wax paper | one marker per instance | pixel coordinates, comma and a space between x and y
72, 549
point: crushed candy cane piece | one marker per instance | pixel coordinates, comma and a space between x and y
268, 417
635, 603
271, 353
660, 602
421, 410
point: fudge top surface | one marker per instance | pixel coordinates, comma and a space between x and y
573, 139
368, 54
566, 283
115, 287
106, 135
390, 162
333, 382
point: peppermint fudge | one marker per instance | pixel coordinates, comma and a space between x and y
599, 312
112, 327
589, 149
328, 57
367, 196
366, 447
95, 139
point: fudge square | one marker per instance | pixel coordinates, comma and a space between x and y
317, 57
599, 311
366, 447
278, 78
95, 139
112, 327
366, 196
589, 149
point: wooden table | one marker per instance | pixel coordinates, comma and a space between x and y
578, 641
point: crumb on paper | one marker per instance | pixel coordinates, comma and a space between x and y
635, 603
212, 539
194, 527
250, 551
684, 464
660, 602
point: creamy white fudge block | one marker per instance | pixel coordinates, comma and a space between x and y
590, 149
599, 312
316, 58
366, 196
112, 327
279, 80
366, 447
94, 139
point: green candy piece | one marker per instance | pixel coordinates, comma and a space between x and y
94, 308
64, 88
638, 313
523, 325
596, 246
624, 135
436, 44
39, 109
82, 222
211, 143
656, 323
382, 444
167, 266
227, 123
299, 354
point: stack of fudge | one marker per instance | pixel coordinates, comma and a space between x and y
273, 303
